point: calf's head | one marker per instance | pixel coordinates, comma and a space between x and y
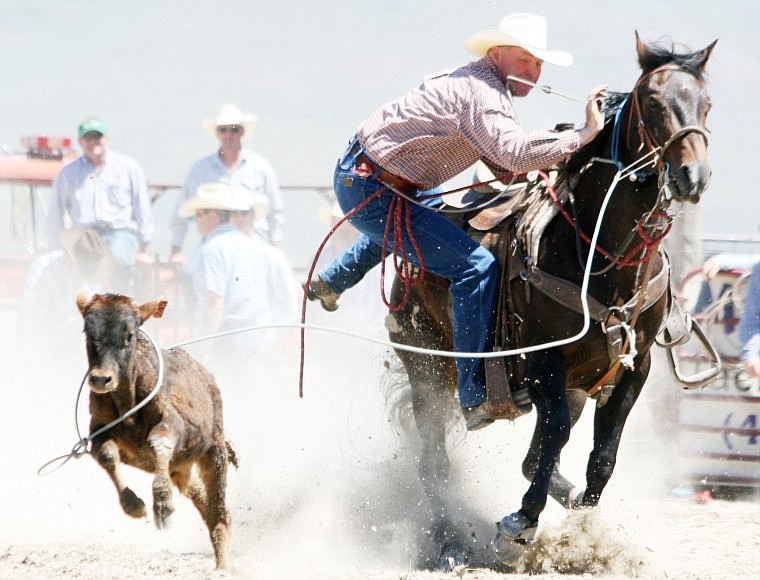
111, 322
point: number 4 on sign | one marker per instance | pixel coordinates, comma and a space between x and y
750, 424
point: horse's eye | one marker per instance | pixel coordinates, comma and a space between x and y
130, 336
654, 104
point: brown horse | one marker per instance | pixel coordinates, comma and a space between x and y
661, 122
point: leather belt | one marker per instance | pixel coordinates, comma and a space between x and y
386, 178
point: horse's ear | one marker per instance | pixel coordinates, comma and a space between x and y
642, 49
703, 55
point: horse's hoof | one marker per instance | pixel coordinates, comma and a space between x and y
507, 551
575, 499
518, 528
451, 558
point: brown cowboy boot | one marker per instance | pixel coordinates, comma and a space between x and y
477, 416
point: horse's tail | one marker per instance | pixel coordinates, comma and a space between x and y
398, 397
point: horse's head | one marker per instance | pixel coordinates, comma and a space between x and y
669, 107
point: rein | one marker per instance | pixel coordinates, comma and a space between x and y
646, 247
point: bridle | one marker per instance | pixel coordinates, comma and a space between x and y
646, 138
655, 224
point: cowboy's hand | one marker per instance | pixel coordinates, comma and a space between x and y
752, 367
179, 259
711, 267
594, 117
144, 258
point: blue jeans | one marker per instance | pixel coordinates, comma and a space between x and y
446, 251
124, 246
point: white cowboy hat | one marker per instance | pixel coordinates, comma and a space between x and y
528, 31
230, 114
214, 196
258, 202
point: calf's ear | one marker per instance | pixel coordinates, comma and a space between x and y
83, 301
154, 308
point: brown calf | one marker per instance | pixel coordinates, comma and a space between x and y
178, 435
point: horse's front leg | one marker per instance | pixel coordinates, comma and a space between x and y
546, 384
609, 421
560, 488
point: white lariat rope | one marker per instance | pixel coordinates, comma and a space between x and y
624, 173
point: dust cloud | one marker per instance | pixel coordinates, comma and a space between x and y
327, 486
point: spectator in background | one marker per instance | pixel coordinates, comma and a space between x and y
240, 281
104, 196
714, 265
728, 261
749, 326
233, 165
245, 220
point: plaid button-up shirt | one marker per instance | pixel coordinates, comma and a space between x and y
452, 120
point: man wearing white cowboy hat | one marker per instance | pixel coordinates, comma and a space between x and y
237, 166
425, 138
239, 280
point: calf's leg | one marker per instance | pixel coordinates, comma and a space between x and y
106, 453
189, 484
213, 472
162, 442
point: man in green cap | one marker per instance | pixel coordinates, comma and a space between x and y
105, 192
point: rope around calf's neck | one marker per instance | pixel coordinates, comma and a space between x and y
81, 447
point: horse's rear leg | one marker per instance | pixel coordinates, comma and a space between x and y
107, 456
609, 421
432, 406
560, 488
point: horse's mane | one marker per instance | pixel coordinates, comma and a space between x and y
664, 51
610, 106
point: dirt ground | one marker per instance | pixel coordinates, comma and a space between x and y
327, 487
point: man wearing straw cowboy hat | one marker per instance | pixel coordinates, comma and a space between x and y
240, 280
436, 131
236, 166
